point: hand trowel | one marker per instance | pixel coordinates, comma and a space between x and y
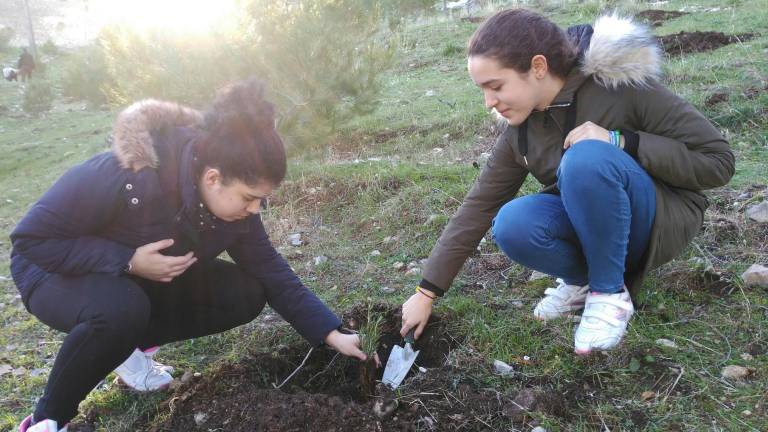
400, 361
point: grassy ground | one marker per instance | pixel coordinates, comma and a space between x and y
390, 182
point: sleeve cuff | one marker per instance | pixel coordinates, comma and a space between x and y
631, 142
431, 287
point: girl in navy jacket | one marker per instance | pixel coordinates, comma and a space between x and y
121, 252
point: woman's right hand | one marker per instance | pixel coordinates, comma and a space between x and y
416, 311
149, 263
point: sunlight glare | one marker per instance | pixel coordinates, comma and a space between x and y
177, 16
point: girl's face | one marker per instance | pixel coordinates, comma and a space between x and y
509, 93
234, 200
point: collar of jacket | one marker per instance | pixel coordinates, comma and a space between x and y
565, 96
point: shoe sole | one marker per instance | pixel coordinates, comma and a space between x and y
587, 353
119, 381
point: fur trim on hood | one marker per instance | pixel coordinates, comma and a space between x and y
131, 139
622, 52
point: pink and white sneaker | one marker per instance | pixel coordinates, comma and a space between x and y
41, 426
564, 300
603, 322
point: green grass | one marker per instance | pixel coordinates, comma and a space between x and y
398, 202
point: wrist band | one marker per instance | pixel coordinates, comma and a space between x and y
419, 290
615, 137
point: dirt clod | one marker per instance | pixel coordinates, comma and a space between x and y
656, 17
698, 41
716, 98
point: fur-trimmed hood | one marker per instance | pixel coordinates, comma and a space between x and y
131, 139
620, 52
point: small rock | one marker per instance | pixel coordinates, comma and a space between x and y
5, 369
502, 368
746, 356
387, 290
734, 372
746, 413
375, 252
20, 371
536, 275
422, 369
666, 343
538, 429
197, 374
200, 418
759, 212
430, 93
437, 150
398, 265
320, 260
389, 239
647, 395
186, 377
295, 239
524, 403
756, 275
38, 372
384, 408
413, 271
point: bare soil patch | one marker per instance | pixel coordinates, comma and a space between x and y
325, 395
698, 41
656, 17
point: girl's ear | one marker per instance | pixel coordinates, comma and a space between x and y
211, 176
539, 66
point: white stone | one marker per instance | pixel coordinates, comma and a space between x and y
295, 239
734, 372
502, 368
387, 290
398, 265
538, 429
759, 212
200, 418
666, 343
536, 275
320, 260
430, 93
756, 275
375, 252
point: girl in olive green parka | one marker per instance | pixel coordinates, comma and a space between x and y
622, 160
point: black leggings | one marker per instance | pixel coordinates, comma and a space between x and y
107, 317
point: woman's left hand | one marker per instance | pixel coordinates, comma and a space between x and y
347, 344
586, 131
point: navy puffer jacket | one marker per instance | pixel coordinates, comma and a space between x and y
96, 215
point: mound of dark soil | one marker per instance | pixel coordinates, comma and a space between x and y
656, 17
324, 395
693, 42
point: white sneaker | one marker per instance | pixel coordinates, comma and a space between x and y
561, 301
150, 352
603, 322
139, 373
41, 426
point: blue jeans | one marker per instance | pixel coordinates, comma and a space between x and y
597, 228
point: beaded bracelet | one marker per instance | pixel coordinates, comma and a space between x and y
419, 290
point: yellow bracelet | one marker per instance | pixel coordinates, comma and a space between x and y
420, 290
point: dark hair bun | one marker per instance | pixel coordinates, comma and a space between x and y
242, 102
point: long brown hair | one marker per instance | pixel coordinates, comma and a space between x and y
515, 36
